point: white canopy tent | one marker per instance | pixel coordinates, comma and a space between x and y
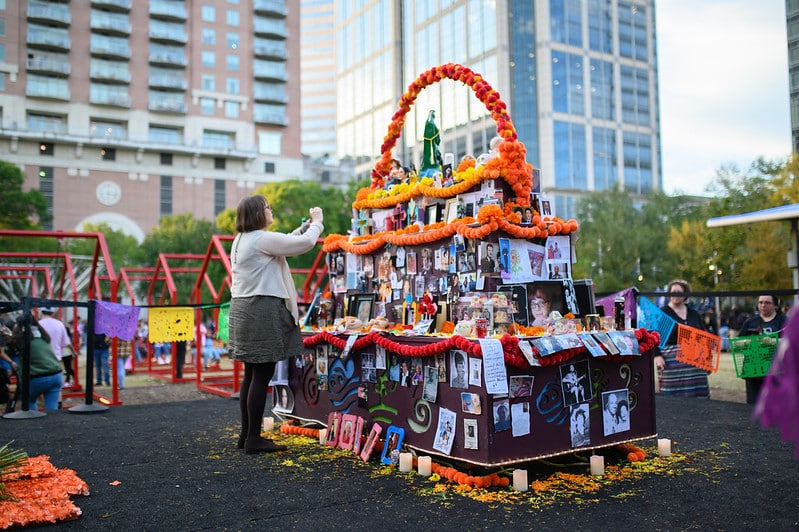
784, 212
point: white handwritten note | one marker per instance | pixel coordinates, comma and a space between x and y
494, 372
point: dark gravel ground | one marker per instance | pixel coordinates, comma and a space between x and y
178, 469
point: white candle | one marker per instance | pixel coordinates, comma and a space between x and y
406, 462
664, 447
425, 466
269, 423
520, 480
322, 436
597, 465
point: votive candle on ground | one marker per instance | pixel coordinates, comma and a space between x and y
664, 447
425, 466
597, 465
269, 423
520, 480
322, 436
406, 462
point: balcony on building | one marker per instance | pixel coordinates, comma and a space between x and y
271, 94
45, 87
164, 135
167, 102
113, 5
111, 47
56, 39
165, 81
270, 28
113, 95
269, 70
168, 10
275, 8
108, 130
110, 71
168, 56
47, 124
110, 23
168, 32
51, 14
270, 49
270, 114
44, 63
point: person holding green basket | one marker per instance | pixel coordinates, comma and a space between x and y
768, 320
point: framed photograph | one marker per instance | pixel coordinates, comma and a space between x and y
362, 306
615, 411
432, 213
333, 425
453, 210
283, 398
347, 435
356, 437
371, 440
394, 437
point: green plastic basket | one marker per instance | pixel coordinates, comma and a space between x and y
752, 355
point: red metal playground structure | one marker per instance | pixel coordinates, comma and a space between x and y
61, 278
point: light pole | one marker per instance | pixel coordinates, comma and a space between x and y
713, 266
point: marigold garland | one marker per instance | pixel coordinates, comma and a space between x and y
510, 347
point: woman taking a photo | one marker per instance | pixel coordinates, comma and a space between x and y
264, 319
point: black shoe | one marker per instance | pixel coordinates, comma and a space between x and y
263, 446
240, 443
98, 383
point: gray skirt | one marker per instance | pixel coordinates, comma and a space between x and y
261, 329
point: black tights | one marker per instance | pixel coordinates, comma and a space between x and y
252, 397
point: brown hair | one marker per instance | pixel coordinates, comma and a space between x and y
685, 285
250, 215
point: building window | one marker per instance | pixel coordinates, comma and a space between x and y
47, 148
220, 163
166, 159
269, 143
233, 86
232, 62
209, 14
209, 36
209, 59
166, 195
233, 40
2, 81
231, 109
208, 82
108, 154
269, 168
47, 187
207, 106
219, 196
232, 17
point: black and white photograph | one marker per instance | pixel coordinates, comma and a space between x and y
368, 370
579, 425
458, 365
615, 411
430, 388
283, 398
576, 382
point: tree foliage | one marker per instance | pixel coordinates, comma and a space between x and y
20, 209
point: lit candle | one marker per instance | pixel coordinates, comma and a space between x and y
597, 465
520, 480
664, 447
269, 423
425, 466
406, 462
322, 436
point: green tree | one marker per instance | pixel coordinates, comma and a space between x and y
179, 234
19, 209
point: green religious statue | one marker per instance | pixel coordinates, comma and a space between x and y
431, 158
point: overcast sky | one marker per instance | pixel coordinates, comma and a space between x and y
723, 73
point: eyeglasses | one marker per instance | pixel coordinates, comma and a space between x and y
539, 304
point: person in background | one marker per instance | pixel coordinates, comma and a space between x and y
101, 370
46, 373
59, 341
678, 378
264, 319
768, 320
124, 351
